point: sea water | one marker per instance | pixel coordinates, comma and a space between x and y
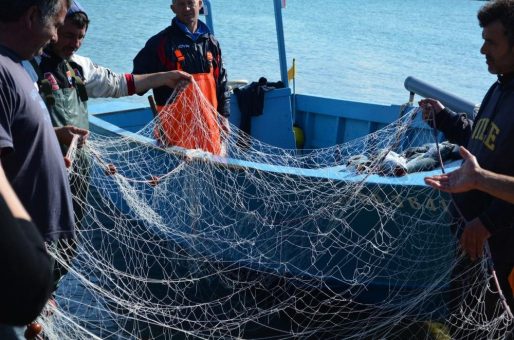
358, 50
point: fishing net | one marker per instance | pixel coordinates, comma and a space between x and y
254, 241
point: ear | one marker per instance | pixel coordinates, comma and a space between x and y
200, 3
32, 17
173, 8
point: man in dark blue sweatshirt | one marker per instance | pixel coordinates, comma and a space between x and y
490, 137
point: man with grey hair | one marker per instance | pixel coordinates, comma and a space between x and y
35, 35
29, 150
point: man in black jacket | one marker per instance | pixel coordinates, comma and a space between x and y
193, 39
490, 137
188, 45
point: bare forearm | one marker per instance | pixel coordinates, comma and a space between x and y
145, 82
172, 79
12, 201
497, 185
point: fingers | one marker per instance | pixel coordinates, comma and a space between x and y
71, 131
67, 162
77, 130
428, 110
428, 113
466, 155
177, 80
431, 107
437, 180
185, 76
82, 134
433, 182
181, 85
472, 243
429, 101
424, 103
446, 182
81, 141
181, 76
468, 245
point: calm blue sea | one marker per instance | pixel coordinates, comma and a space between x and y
352, 49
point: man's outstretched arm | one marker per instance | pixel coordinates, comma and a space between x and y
470, 176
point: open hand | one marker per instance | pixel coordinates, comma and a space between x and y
463, 179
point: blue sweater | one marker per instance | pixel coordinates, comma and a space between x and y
490, 137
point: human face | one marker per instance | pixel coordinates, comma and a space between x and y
70, 39
187, 11
499, 54
45, 32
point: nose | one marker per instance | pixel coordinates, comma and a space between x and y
77, 42
483, 49
54, 36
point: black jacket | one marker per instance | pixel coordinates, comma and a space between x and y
158, 55
490, 137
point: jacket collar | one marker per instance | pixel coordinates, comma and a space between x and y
49, 54
506, 79
200, 31
10, 53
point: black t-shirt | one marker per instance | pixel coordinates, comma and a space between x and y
31, 155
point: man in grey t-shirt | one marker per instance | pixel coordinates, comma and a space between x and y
29, 150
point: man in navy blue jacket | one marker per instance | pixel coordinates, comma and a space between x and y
490, 137
188, 45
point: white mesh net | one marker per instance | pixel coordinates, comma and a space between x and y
267, 243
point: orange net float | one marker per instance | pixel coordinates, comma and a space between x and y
33, 330
110, 169
154, 180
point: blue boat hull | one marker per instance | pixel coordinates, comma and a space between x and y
407, 256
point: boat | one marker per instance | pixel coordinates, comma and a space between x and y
322, 115
193, 242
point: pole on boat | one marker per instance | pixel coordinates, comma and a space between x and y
280, 41
207, 8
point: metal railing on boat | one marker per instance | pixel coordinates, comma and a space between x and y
421, 88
